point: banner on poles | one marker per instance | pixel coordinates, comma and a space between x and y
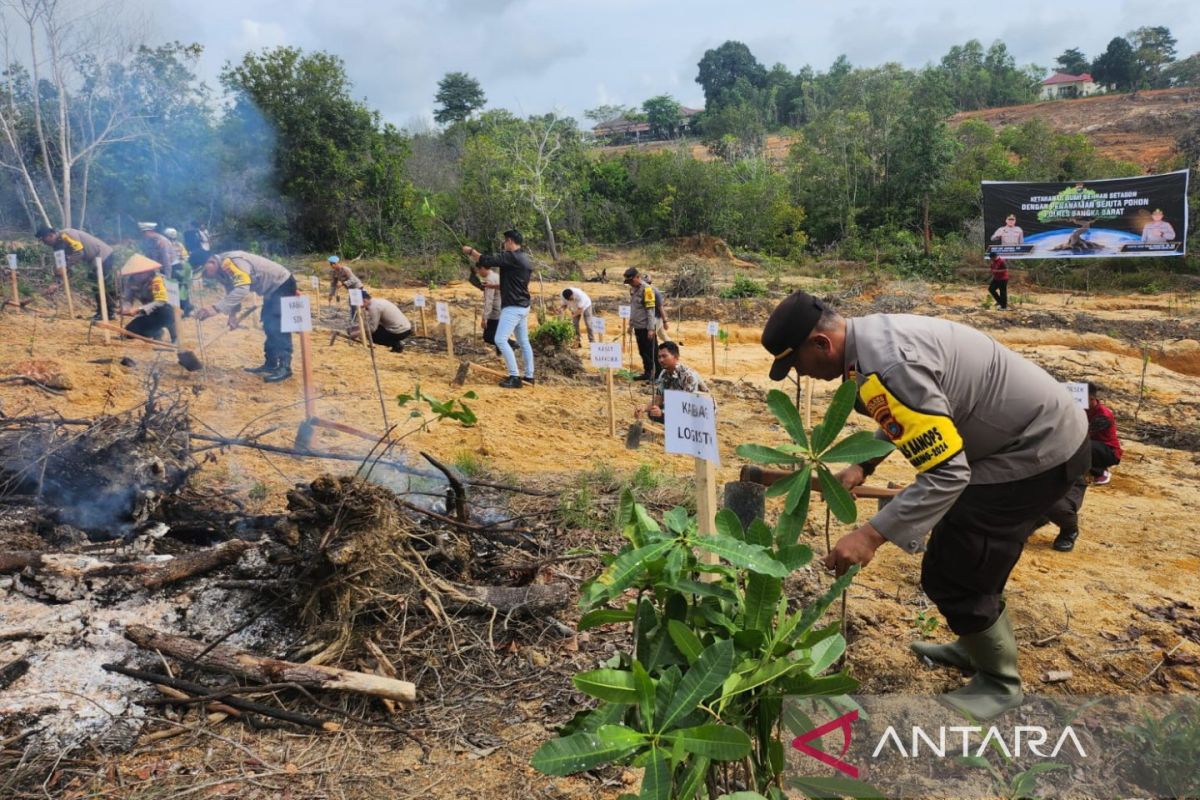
691, 425
297, 316
1114, 217
606, 355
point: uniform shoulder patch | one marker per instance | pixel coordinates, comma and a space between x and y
925, 439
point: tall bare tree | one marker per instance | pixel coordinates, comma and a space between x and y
73, 105
539, 149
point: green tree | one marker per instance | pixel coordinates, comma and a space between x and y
1072, 61
664, 115
722, 67
1184, 72
329, 150
606, 113
1116, 67
1153, 50
458, 97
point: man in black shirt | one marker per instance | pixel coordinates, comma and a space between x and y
515, 269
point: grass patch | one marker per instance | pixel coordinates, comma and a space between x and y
469, 464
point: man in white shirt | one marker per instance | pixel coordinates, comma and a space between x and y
580, 306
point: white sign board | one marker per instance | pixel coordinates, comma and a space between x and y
714, 328
314, 281
599, 326
60, 259
691, 425
443, 313
12, 261
355, 297
606, 355
297, 316
172, 293
419, 301
624, 311
1079, 393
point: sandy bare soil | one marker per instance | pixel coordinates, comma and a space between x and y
1096, 611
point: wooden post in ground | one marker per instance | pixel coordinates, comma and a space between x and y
60, 261
808, 384
612, 414
370, 343
103, 297
624, 350
712, 343
706, 506
443, 316
306, 376
12, 272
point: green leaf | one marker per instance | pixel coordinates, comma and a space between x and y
751, 641
711, 669
758, 533
825, 652
643, 685
628, 567
687, 641
782, 486
798, 495
625, 518
620, 736
741, 554
838, 683
766, 673
762, 594
575, 753
835, 416
856, 448
677, 520
794, 556
816, 610
718, 742
742, 796
666, 684
693, 779
656, 781
604, 616
729, 525
821, 788
788, 415
761, 454
840, 501
706, 589
644, 520
612, 685
788, 528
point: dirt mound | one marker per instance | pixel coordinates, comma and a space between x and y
702, 245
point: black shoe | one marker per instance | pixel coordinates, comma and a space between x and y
530, 381
511, 382
282, 374
398, 347
267, 367
1065, 541
642, 377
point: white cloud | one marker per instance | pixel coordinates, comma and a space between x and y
258, 35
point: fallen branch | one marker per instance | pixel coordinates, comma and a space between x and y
235, 702
148, 575
10, 673
507, 599
224, 658
456, 486
292, 451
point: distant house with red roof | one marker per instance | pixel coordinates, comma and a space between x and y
1062, 85
627, 131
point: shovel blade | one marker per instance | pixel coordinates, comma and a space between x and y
189, 361
633, 437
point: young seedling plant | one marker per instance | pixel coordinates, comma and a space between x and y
697, 698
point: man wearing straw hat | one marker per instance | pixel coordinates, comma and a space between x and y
241, 273
144, 285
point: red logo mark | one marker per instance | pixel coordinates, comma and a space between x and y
801, 743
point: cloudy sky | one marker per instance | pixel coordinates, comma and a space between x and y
533, 56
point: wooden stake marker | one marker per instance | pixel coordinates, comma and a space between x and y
60, 261
714, 329
12, 273
103, 297
623, 312
443, 317
419, 304
356, 294
607, 356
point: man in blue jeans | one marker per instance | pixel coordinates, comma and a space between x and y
513, 265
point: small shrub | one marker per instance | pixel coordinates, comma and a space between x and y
444, 268
1165, 751
744, 286
694, 278
553, 334
645, 477
258, 492
469, 463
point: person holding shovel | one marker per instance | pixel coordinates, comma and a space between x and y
81, 247
340, 274
676, 376
145, 286
515, 270
386, 324
995, 441
242, 273
645, 314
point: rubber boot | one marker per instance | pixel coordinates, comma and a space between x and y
269, 365
283, 371
996, 687
952, 654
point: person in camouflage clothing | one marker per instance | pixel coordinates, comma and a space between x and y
675, 375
